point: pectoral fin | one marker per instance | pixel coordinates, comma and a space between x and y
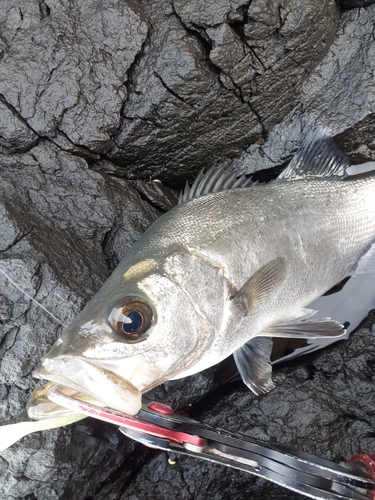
263, 283
253, 363
305, 329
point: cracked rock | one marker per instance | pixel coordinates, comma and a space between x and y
249, 62
339, 95
63, 227
268, 53
70, 213
64, 65
157, 194
15, 136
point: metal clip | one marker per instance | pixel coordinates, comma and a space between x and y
157, 426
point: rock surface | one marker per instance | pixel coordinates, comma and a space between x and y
100, 101
342, 81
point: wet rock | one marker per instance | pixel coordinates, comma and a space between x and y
97, 101
225, 83
339, 95
157, 194
175, 394
349, 4
46, 467
64, 67
69, 213
16, 136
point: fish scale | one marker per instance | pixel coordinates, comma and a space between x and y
326, 215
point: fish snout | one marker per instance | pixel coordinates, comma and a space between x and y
103, 386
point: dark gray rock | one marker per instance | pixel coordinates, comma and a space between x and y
16, 136
349, 4
339, 95
213, 77
97, 102
157, 194
64, 66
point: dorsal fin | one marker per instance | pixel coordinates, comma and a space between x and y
214, 180
318, 156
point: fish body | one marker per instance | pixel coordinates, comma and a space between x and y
219, 274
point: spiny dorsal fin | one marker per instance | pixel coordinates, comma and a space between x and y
318, 156
214, 180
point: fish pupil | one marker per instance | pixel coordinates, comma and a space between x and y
135, 322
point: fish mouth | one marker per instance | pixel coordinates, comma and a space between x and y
102, 386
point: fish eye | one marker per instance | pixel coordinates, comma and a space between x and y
131, 319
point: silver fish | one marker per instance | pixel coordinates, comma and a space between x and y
229, 267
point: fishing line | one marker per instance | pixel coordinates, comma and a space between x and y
29, 296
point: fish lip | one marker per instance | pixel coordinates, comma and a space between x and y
115, 392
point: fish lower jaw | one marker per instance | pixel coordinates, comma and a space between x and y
103, 387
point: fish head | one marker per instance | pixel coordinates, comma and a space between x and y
146, 325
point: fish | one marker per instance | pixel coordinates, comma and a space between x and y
230, 267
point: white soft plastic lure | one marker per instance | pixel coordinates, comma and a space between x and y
11, 433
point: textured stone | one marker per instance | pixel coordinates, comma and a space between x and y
64, 65
201, 92
63, 227
339, 95
16, 136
